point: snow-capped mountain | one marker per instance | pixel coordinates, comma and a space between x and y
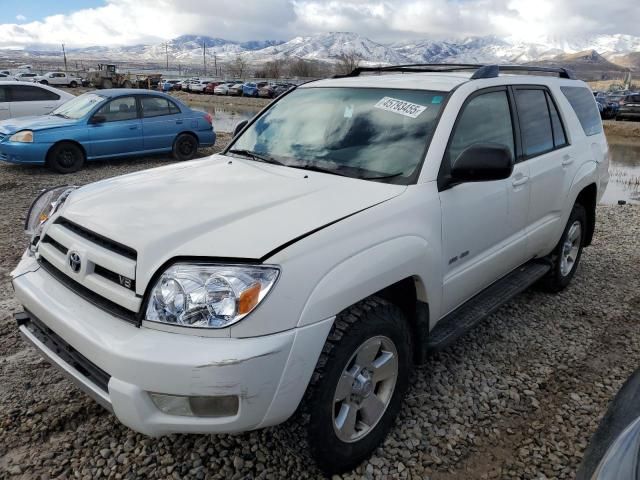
329, 47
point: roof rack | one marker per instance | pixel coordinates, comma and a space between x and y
480, 71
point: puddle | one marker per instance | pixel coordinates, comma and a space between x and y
226, 117
624, 171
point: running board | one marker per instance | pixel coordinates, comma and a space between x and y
469, 314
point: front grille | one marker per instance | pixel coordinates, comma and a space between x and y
57, 245
89, 295
115, 278
104, 242
67, 353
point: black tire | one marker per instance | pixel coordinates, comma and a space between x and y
66, 157
557, 279
73, 84
185, 147
369, 319
44, 82
126, 84
106, 83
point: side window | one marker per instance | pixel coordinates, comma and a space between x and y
156, 107
26, 93
583, 103
485, 119
173, 108
123, 108
559, 137
535, 122
3, 94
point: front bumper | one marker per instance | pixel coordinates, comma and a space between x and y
268, 374
16, 152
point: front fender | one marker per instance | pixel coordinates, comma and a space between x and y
366, 273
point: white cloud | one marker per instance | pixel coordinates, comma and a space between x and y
20, 17
126, 22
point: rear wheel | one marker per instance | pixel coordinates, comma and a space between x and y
73, 84
106, 83
185, 147
65, 157
359, 384
44, 82
566, 256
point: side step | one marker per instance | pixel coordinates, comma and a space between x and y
469, 314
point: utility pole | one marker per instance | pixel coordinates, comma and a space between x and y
204, 57
64, 55
166, 52
215, 64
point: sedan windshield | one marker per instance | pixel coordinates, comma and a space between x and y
368, 133
79, 106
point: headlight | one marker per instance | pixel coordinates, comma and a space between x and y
42, 208
209, 295
23, 136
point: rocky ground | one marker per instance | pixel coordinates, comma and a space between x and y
622, 128
518, 397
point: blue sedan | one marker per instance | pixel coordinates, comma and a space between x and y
106, 124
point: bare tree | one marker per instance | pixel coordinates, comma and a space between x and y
275, 68
303, 68
238, 66
347, 62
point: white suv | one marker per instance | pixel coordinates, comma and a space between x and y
350, 228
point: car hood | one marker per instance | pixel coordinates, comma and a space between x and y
40, 122
217, 207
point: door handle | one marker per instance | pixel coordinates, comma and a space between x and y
567, 160
178, 122
520, 181
133, 127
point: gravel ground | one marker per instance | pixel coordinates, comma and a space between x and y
622, 128
518, 397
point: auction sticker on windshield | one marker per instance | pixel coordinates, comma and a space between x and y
394, 105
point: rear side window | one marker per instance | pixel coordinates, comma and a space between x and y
3, 94
559, 137
485, 119
535, 122
583, 103
28, 93
156, 107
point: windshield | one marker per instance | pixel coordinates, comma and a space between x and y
79, 106
369, 133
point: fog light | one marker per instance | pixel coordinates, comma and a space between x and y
223, 406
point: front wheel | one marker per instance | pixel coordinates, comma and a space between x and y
566, 256
65, 157
185, 147
44, 82
359, 384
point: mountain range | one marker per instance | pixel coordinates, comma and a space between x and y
612, 51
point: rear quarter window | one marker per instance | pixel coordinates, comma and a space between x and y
584, 105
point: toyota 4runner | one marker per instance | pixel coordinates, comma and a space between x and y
350, 228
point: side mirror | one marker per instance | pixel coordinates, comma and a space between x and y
482, 162
239, 127
98, 119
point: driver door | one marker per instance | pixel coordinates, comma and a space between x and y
484, 223
118, 131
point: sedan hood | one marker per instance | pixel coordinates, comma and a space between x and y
40, 122
218, 207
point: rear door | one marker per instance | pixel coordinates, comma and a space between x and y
161, 122
551, 161
119, 133
28, 100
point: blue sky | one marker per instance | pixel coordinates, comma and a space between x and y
39, 9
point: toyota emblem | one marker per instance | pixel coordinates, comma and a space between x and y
75, 262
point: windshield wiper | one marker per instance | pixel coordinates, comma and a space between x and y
60, 115
315, 168
257, 156
383, 177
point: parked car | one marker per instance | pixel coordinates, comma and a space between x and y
2, 75
205, 297
250, 89
629, 107
59, 79
19, 99
274, 90
199, 86
106, 124
186, 84
608, 109
223, 88
209, 89
25, 76
167, 85
235, 90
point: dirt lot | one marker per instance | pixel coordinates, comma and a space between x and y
622, 128
517, 397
